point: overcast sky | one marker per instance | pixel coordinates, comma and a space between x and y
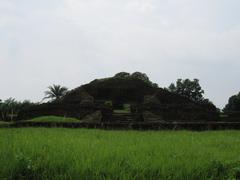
71, 42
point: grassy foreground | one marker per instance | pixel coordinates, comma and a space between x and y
42, 153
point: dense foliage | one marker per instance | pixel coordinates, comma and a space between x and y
233, 103
10, 108
189, 89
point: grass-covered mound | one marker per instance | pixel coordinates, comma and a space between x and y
109, 95
4, 123
95, 154
142, 96
53, 119
114, 89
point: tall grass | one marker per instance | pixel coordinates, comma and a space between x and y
42, 153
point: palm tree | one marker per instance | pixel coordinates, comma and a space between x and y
55, 92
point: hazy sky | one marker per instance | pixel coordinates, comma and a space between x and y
71, 42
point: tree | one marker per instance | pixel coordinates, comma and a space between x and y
13, 107
143, 77
233, 103
26, 104
55, 92
122, 75
189, 89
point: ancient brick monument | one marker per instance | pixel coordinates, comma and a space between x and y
124, 99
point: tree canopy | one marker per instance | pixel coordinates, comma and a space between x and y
233, 103
122, 75
188, 88
136, 75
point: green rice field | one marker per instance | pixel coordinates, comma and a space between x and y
58, 153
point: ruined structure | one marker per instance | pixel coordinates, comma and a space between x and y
124, 99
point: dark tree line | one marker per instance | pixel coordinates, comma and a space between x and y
10, 108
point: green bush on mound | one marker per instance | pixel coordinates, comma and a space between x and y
4, 123
53, 119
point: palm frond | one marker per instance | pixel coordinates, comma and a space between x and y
55, 92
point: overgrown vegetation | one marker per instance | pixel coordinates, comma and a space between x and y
96, 154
